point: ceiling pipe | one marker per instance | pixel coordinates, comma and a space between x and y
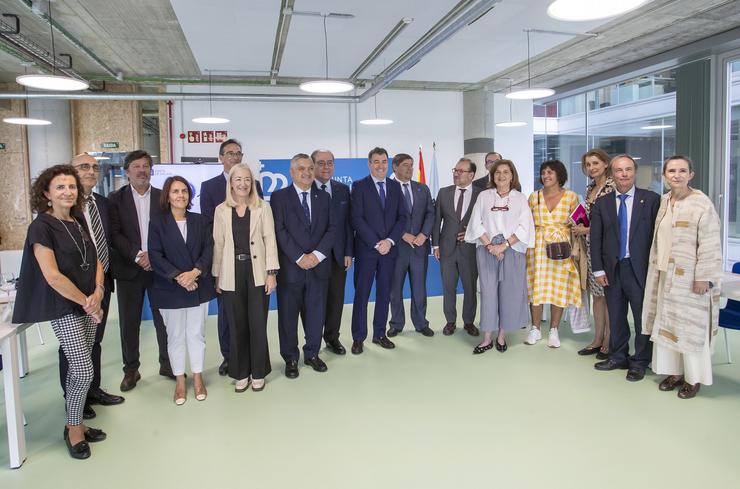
402, 24
281, 36
233, 97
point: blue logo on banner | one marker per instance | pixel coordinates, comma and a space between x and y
275, 174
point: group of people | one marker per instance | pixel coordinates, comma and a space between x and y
636, 248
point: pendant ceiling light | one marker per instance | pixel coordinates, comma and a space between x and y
376, 121
26, 121
52, 82
326, 85
210, 118
511, 122
529, 93
580, 10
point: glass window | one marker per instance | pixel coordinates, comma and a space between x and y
733, 204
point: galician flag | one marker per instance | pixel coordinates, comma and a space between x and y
434, 177
421, 177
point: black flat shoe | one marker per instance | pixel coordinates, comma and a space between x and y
500, 347
223, 369
92, 435
80, 451
482, 349
589, 351
88, 412
291, 369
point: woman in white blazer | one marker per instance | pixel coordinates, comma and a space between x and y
245, 265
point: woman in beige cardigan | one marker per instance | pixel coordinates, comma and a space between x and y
245, 265
681, 307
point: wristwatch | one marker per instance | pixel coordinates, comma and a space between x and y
272, 272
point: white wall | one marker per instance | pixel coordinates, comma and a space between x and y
282, 129
516, 143
49, 145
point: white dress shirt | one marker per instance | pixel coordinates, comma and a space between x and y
466, 198
319, 183
143, 205
88, 221
517, 220
299, 191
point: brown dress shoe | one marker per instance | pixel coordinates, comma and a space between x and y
688, 391
670, 382
129, 380
471, 329
448, 329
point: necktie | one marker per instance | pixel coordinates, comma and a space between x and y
458, 209
622, 226
407, 196
304, 203
323, 187
381, 186
101, 245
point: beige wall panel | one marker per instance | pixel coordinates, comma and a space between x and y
15, 212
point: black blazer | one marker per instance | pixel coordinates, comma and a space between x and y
604, 233
373, 223
482, 182
213, 193
177, 256
104, 212
296, 235
125, 235
344, 236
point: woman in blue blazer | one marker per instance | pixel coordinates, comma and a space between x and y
180, 251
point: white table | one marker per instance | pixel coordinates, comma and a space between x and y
14, 414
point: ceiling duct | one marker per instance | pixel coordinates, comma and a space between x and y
402, 24
281, 36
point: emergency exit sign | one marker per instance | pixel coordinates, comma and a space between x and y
2, 146
109, 145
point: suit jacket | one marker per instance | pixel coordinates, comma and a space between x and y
102, 204
262, 245
373, 223
604, 233
125, 234
170, 255
296, 235
482, 182
446, 223
421, 217
344, 237
213, 192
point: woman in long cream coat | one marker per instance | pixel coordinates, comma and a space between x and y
681, 307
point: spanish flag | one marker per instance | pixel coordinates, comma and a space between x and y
421, 177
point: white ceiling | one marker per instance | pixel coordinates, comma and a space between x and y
239, 35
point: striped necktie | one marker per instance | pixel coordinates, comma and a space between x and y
101, 244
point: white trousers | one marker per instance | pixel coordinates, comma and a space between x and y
696, 367
186, 336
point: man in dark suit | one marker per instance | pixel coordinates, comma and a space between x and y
132, 206
622, 224
304, 230
491, 158
342, 249
413, 250
96, 215
457, 258
212, 194
378, 217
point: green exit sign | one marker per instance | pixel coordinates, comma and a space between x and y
109, 145
2, 146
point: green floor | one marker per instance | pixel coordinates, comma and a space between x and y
428, 414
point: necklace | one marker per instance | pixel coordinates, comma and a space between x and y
85, 266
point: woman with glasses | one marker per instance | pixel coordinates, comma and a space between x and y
502, 228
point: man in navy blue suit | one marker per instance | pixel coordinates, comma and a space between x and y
413, 250
342, 250
304, 229
378, 218
622, 224
212, 194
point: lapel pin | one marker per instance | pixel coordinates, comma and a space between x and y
641, 201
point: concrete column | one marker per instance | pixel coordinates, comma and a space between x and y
478, 130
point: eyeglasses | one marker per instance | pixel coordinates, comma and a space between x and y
88, 166
234, 154
455, 170
325, 164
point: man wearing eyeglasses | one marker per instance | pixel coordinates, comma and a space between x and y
453, 207
212, 194
96, 215
342, 249
484, 181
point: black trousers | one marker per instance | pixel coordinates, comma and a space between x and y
245, 311
623, 292
224, 337
95, 353
130, 302
334, 301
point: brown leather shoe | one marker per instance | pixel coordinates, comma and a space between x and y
670, 382
129, 380
688, 391
448, 329
471, 329
357, 347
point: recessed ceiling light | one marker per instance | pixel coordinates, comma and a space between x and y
326, 86
52, 82
26, 121
657, 126
210, 120
376, 122
582, 10
511, 124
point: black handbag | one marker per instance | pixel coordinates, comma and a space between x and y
556, 250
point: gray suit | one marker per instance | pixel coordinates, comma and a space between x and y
457, 259
413, 260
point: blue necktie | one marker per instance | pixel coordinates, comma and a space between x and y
622, 226
407, 196
381, 186
304, 203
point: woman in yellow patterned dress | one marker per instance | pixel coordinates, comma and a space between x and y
554, 282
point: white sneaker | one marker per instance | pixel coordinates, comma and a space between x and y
534, 336
242, 384
553, 341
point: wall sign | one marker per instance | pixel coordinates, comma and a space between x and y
207, 136
109, 145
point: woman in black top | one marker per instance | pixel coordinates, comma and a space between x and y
61, 281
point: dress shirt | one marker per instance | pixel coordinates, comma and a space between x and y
88, 221
517, 220
319, 183
466, 198
143, 205
628, 203
319, 255
405, 185
377, 189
